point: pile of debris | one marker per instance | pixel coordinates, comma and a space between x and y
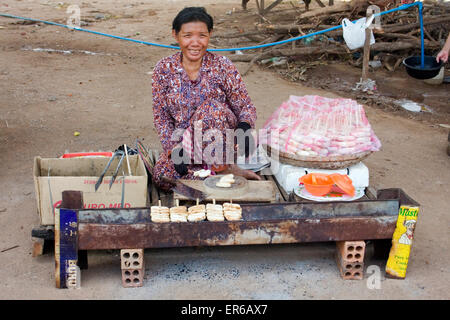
398, 36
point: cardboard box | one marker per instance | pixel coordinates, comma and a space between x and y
81, 174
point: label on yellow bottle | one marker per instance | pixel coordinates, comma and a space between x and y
401, 241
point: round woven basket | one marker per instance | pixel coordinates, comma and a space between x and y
335, 162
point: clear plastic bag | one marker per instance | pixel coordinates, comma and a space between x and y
315, 126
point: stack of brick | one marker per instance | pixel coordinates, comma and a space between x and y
350, 259
133, 268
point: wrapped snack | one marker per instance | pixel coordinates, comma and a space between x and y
314, 126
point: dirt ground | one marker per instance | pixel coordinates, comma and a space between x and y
46, 96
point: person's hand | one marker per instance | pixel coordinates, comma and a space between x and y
235, 170
442, 56
182, 167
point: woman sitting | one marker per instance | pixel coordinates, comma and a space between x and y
197, 91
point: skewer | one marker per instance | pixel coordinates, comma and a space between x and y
128, 161
123, 189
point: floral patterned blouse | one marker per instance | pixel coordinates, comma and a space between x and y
176, 96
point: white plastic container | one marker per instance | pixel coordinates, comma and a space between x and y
288, 175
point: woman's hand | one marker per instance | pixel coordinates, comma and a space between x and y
442, 56
247, 174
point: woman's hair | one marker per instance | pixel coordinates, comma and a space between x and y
192, 14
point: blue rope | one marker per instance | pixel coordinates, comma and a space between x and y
402, 7
86, 30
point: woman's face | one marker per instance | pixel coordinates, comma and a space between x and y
193, 39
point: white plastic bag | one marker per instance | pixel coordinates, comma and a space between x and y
355, 34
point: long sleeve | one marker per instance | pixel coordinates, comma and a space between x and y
238, 97
163, 121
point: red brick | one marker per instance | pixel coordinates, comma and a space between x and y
132, 259
38, 247
350, 270
132, 278
350, 259
351, 251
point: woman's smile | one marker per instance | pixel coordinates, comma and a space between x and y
193, 39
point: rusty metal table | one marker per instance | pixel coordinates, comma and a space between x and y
290, 219
78, 230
